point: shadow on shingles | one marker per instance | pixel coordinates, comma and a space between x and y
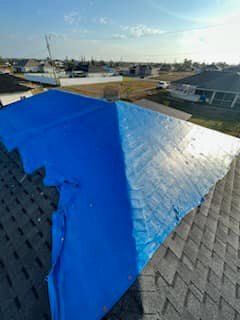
129, 305
26, 206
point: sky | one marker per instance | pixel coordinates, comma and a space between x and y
127, 30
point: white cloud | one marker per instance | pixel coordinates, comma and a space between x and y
102, 20
72, 18
141, 30
80, 31
119, 36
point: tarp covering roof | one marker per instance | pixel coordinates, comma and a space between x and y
126, 177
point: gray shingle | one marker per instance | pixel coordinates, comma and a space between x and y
226, 81
197, 269
25, 242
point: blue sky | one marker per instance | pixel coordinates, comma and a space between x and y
140, 30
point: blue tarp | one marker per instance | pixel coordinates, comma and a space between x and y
126, 177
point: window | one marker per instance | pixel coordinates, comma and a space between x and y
207, 94
237, 104
224, 100
219, 95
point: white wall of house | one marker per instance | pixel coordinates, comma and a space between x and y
48, 78
45, 78
27, 69
47, 69
31, 69
14, 97
183, 95
185, 92
225, 99
97, 74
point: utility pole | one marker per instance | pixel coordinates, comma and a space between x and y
47, 38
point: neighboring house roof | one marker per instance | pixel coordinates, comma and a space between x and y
193, 275
214, 80
233, 69
164, 109
87, 67
27, 63
10, 84
212, 67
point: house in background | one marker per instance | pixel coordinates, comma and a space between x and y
5, 68
86, 69
211, 67
166, 67
235, 68
59, 64
220, 89
155, 71
27, 65
11, 90
45, 67
140, 70
123, 71
95, 70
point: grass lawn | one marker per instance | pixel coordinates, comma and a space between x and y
211, 117
173, 76
129, 88
231, 127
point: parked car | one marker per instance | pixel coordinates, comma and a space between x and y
162, 85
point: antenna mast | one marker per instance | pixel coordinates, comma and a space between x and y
47, 38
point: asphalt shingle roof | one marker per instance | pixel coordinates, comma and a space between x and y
195, 274
26, 207
214, 80
10, 84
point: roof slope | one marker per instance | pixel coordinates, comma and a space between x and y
195, 274
214, 80
10, 84
121, 170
